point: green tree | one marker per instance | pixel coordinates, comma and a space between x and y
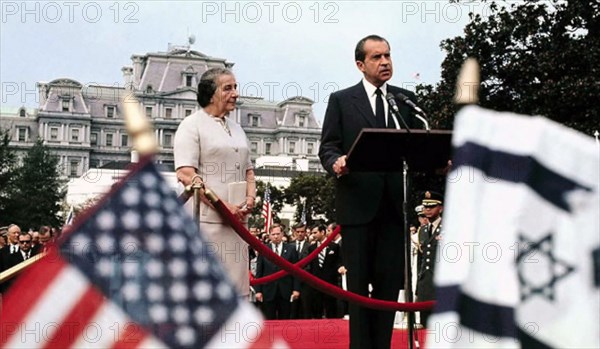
536, 57
39, 189
8, 166
318, 191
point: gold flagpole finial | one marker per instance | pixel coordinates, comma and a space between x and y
138, 127
467, 84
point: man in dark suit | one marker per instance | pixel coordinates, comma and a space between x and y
368, 204
300, 307
8, 252
325, 267
429, 236
26, 250
277, 295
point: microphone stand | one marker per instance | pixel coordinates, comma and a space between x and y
408, 293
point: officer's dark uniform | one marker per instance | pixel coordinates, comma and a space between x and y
429, 242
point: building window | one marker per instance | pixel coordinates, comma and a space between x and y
255, 120
74, 168
124, 140
301, 120
110, 111
189, 80
149, 112
292, 147
168, 113
109, 139
22, 134
188, 112
268, 148
254, 147
74, 135
66, 104
93, 138
167, 140
310, 147
53, 133
22, 113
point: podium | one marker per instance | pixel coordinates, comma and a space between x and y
392, 150
383, 150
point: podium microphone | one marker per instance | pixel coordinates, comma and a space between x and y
395, 110
419, 113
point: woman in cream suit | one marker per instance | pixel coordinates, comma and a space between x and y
210, 145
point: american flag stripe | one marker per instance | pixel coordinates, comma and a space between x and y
106, 326
107, 329
76, 320
244, 316
62, 290
29, 296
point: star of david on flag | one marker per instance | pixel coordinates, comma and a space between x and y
132, 272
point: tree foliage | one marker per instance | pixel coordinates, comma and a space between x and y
318, 193
38, 190
536, 58
7, 175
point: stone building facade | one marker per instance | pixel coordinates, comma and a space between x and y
84, 126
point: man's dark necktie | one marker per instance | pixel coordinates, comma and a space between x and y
379, 110
321, 257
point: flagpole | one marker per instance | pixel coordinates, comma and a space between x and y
138, 127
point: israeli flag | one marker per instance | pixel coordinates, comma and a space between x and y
519, 262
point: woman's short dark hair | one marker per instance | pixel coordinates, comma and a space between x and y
359, 51
208, 84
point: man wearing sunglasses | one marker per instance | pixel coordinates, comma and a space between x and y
23, 253
25, 249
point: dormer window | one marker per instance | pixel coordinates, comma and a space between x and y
188, 77
301, 119
149, 89
254, 120
22, 113
110, 111
66, 104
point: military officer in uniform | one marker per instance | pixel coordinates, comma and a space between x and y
429, 235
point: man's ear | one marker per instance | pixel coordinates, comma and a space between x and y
361, 66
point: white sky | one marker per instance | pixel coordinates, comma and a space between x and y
280, 49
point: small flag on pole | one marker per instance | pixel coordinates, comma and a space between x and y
70, 217
519, 264
266, 211
132, 272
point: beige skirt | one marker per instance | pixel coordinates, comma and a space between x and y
232, 251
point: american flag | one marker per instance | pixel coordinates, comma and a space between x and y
134, 272
267, 213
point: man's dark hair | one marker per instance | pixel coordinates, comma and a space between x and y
208, 85
359, 52
298, 226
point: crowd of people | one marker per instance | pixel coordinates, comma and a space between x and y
17, 246
288, 297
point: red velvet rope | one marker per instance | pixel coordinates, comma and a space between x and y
312, 280
300, 264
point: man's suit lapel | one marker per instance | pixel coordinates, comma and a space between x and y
360, 100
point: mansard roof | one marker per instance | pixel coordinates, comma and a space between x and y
297, 100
